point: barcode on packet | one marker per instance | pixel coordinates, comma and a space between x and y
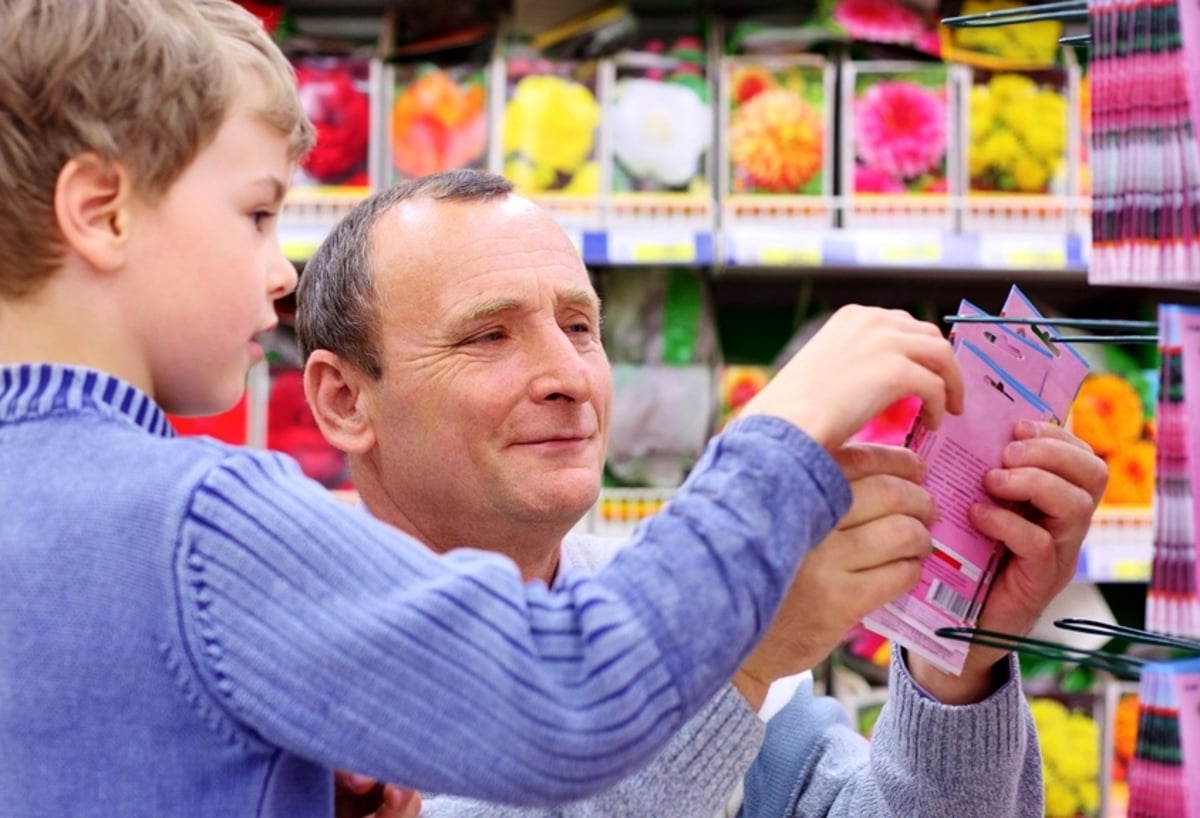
951, 601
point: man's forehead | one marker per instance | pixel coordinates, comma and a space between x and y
561, 294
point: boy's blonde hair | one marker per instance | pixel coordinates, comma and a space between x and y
146, 83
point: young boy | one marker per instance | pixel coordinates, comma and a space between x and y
192, 629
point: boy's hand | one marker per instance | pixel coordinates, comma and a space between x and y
1061, 481
357, 796
859, 363
871, 557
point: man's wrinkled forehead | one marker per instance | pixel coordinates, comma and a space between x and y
566, 296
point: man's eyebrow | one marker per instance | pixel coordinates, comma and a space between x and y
580, 297
489, 307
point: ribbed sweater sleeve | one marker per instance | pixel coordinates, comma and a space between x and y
327, 633
692, 778
925, 758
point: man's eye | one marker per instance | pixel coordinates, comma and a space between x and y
487, 337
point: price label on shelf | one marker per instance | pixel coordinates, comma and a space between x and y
776, 247
898, 248
791, 255
1130, 570
1023, 251
651, 246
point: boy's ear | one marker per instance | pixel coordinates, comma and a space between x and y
335, 393
91, 203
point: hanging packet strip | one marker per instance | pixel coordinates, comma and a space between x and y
1172, 600
1186, 674
956, 577
1189, 332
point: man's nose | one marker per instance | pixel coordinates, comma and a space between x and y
560, 372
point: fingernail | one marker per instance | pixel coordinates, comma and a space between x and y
361, 781
1014, 450
397, 797
1024, 428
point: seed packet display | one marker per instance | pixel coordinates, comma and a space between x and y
1187, 692
1069, 368
956, 577
1189, 333
1027, 362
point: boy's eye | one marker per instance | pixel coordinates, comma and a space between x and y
261, 216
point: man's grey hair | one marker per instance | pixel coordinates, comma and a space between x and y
337, 304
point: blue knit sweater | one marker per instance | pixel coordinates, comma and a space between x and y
191, 629
925, 758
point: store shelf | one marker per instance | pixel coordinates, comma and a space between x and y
308, 217
1119, 546
903, 247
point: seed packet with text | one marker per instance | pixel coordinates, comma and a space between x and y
956, 577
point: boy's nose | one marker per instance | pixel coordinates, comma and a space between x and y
282, 277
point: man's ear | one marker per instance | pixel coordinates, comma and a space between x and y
91, 203
335, 394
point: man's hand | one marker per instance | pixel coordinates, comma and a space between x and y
861, 361
357, 796
871, 557
1061, 480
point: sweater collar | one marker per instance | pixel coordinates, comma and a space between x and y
35, 390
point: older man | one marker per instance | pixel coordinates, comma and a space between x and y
453, 351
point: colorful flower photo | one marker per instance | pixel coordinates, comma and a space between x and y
1030, 45
550, 127
1070, 745
886, 21
778, 129
1112, 417
1017, 127
899, 128
660, 118
335, 92
439, 119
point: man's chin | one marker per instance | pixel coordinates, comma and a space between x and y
562, 503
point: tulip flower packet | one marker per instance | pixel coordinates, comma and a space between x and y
437, 118
1018, 126
898, 121
776, 154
